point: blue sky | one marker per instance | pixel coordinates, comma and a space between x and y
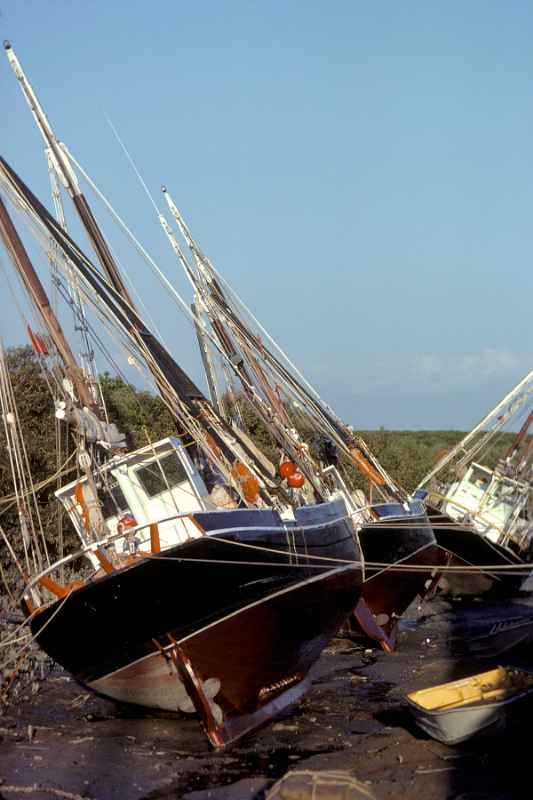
361, 173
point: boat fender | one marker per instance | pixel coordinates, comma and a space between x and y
296, 480
246, 481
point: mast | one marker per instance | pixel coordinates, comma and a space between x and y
207, 361
36, 292
354, 448
167, 374
88, 364
521, 435
505, 405
357, 451
68, 177
226, 346
221, 443
35, 289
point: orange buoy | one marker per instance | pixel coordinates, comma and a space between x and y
240, 470
250, 489
287, 468
80, 499
296, 480
248, 483
366, 467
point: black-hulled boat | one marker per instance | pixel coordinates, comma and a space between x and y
402, 560
228, 620
219, 612
483, 567
395, 534
228, 623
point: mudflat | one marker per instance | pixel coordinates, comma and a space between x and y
61, 741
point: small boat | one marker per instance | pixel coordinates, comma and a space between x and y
493, 632
456, 711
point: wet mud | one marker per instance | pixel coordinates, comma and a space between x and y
63, 742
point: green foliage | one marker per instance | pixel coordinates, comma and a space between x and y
406, 455
141, 416
257, 430
409, 455
36, 413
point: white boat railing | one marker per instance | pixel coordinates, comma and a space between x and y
101, 544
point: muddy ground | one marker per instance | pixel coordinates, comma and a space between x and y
64, 742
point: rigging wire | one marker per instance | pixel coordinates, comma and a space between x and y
180, 302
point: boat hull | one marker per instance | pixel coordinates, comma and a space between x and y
243, 609
245, 663
454, 727
466, 547
390, 548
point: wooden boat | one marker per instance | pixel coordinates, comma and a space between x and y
496, 569
205, 626
456, 711
193, 609
226, 617
482, 516
396, 549
394, 535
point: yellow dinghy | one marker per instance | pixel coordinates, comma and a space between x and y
455, 711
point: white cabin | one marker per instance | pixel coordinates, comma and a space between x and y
148, 485
491, 501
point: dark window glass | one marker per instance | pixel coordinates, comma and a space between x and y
152, 479
112, 500
480, 479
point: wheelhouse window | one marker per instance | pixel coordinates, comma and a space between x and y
161, 475
480, 479
112, 500
504, 491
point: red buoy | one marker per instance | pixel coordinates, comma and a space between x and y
296, 480
287, 468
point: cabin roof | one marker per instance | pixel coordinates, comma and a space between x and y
167, 444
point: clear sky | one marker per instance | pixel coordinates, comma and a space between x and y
362, 173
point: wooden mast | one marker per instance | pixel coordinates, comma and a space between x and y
214, 391
216, 428
521, 435
351, 445
35, 289
37, 293
69, 178
220, 442
498, 416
